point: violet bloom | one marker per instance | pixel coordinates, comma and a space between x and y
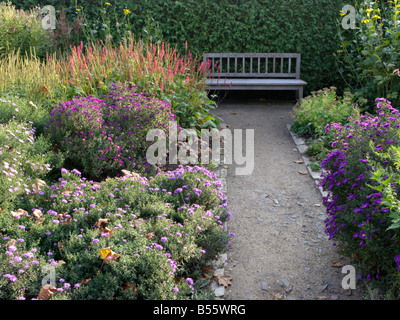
397, 260
178, 190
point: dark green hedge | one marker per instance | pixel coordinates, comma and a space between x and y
305, 26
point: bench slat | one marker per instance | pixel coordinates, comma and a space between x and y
273, 64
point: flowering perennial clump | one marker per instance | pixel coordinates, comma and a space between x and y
358, 217
24, 161
128, 237
103, 136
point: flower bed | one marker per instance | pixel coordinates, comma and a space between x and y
123, 238
103, 136
313, 113
117, 233
358, 172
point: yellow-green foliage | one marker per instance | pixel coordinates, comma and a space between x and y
28, 76
23, 30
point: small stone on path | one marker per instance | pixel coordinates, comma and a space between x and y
264, 285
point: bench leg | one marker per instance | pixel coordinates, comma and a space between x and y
299, 94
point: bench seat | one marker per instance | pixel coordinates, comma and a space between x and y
254, 84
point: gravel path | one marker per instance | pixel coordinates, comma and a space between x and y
279, 250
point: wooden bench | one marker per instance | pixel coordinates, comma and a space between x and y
254, 71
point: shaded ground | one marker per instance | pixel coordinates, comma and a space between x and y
279, 250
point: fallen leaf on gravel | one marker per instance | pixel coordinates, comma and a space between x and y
223, 279
234, 113
322, 298
298, 161
303, 172
277, 296
46, 292
337, 264
317, 205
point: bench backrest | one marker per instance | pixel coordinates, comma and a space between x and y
253, 65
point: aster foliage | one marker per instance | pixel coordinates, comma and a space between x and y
357, 172
103, 136
161, 232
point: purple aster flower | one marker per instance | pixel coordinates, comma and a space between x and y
178, 190
76, 172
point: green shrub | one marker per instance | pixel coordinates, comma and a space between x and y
24, 161
22, 30
370, 53
22, 110
357, 179
20, 266
161, 235
101, 137
314, 113
386, 181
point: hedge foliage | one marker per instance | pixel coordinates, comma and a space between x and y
305, 26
